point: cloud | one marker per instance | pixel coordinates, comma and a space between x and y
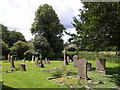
19, 14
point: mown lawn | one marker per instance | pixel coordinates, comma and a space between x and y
35, 77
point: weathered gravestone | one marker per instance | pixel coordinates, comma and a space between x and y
89, 66
9, 57
65, 60
23, 67
101, 65
48, 61
36, 61
75, 59
82, 69
32, 58
68, 59
12, 62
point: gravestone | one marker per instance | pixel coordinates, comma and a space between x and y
68, 59
23, 67
36, 61
41, 63
101, 65
89, 66
82, 69
9, 57
48, 61
75, 59
12, 62
65, 60
32, 58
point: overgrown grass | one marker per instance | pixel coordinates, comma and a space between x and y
35, 77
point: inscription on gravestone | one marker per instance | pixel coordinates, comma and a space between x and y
101, 65
82, 68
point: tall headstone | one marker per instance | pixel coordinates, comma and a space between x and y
32, 58
12, 62
36, 61
41, 63
82, 68
9, 57
101, 65
65, 60
68, 59
75, 59
89, 66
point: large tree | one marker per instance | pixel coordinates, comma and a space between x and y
98, 26
47, 25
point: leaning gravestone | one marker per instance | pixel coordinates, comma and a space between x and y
9, 57
75, 59
36, 61
101, 65
89, 66
12, 62
82, 68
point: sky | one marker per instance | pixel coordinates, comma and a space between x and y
19, 14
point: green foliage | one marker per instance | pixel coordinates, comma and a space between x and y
98, 26
19, 48
10, 37
14, 37
5, 49
47, 24
42, 46
71, 54
71, 49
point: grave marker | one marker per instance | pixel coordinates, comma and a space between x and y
82, 68
65, 60
101, 65
75, 59
89, 66
9, 57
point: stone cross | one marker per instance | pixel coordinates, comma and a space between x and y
12, 62
82, 69
32, 58
9, 57
65, 60
101, 65
75, 59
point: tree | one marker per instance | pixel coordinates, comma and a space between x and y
19, 48
5, 49
47, 24
4, 33
10, 37
42, 46
14, 37
98, 26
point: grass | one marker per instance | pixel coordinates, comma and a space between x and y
35, 77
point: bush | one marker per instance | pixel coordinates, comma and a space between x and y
71, 54
71, 49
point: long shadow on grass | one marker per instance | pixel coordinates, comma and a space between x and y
115, 72
4, 87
